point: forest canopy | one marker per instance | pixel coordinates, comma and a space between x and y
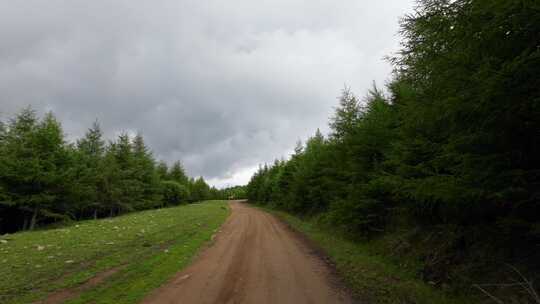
451, 146
46, 179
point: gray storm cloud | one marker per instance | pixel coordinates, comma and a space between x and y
220, 85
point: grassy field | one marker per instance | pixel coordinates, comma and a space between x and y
372, 278
138, 252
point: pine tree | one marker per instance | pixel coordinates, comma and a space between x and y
92, 144
346, 115
199, 190
88, 182
35, 159
126, 191
174, 193
162, 170
178, 174
145, 174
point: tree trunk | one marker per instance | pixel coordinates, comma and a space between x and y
34, 218
95, 214
25, 223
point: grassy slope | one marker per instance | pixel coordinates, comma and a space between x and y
150, 246
371, 277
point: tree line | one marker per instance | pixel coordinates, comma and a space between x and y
451, 146
234, 193
46, 179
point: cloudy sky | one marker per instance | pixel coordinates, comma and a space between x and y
220, 85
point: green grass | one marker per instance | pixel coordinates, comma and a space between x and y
371, 277
149, 246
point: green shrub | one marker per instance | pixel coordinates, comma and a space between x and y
174, 193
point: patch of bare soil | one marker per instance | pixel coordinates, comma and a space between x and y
63, 295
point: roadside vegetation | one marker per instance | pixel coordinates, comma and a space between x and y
441, 169
371, 275
138, 252
234, 192
45, 179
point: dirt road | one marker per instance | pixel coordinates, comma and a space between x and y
255, 259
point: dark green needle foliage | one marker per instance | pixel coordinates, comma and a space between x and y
45, 179
448, 157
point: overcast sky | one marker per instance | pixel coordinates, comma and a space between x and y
220, 85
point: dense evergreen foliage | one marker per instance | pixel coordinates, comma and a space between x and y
452, 150
234, 192
45, 179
